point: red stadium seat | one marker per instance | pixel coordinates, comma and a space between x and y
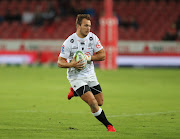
150, 15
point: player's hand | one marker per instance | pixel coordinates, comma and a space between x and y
88, 58
77, 64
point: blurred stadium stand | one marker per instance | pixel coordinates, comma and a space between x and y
138, 20
32, 31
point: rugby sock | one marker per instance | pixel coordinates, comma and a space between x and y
101, 117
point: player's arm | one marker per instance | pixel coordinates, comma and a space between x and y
62, 63
98, 56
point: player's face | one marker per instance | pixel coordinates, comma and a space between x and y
85, 27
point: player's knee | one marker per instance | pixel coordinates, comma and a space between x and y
100, 103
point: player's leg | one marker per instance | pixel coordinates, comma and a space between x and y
97, 92
87, 96
99, 98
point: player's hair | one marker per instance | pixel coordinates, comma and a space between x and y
80, 17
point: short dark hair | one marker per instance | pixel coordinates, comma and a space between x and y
80, 17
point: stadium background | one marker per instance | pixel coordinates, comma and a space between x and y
148, 30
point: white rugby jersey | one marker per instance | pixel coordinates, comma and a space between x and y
88, 45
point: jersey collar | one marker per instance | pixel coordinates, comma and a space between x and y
78, 38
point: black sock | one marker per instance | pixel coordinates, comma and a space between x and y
102, 118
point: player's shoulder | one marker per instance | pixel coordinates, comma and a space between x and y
93, 37
70, 39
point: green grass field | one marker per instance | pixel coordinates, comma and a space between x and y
141, 103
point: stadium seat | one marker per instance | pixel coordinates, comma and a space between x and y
149, 15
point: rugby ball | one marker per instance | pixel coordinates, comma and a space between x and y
79, 55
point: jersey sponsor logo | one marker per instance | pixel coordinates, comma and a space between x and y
98, 45
72, 40
82, 48
90, 38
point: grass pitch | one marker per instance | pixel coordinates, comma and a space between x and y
140, 103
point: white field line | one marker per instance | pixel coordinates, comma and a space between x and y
122, 115
143, 114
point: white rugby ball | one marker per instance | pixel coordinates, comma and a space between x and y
79, 56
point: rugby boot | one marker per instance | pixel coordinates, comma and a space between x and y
111, 128
71, 93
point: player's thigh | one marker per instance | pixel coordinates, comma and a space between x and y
89, 98
99, 97
97, 92
85, 93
